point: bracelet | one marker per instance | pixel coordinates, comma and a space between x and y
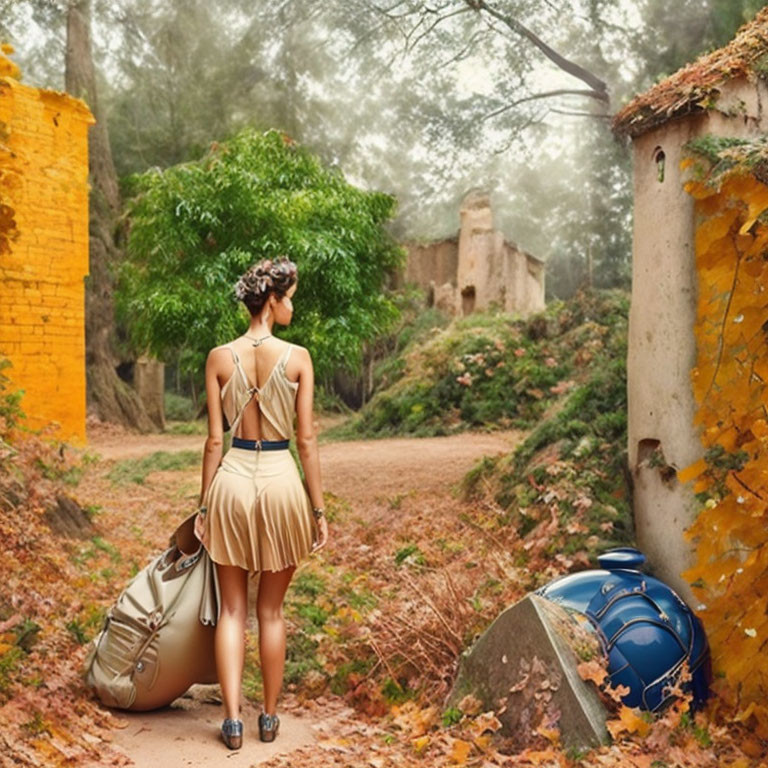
202, 509
318, 512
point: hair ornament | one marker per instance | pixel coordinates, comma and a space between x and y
254, 287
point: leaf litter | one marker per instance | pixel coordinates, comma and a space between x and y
386, 632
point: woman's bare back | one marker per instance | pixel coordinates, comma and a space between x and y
259, 362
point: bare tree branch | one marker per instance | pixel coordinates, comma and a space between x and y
601, 115
435, 23
423, 26
462, 54
598, 86
389, 12
535, 119
543, 95
363, 38
437, 9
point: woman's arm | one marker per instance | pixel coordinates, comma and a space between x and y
306, 439
215, 440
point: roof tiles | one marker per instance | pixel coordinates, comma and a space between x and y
695, 87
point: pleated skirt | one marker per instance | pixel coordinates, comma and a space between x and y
259, 514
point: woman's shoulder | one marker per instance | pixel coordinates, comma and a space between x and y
218, 353
299, 351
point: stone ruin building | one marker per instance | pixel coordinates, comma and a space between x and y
477, 268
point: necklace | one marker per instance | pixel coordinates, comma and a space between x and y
257, 342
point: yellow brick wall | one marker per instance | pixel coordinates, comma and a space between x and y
44, 252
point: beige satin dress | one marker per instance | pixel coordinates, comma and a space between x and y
259, 513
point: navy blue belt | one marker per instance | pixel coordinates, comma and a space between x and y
260, 445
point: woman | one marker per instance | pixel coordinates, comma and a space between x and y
255, 514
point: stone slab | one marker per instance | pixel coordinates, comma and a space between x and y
525, 668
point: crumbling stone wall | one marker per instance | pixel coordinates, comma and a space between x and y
478, 268
436, 262
44, 249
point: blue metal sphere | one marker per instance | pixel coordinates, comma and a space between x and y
646, 629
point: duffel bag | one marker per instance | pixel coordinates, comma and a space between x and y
157, 639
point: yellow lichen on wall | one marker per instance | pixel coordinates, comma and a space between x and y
730, 385
44, 251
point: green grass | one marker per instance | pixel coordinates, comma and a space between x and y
308, 584
252, 683
69, 474
356, 668
409, 554
300, 657
10, 661
397, 691
37, 725
91, 551
77, 631
198, 427
136, 470
452, 716
26, 634
10, 400
93, 510
326, 401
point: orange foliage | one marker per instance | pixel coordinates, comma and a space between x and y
729, 383
630, 720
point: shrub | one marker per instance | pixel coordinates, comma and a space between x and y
494, 370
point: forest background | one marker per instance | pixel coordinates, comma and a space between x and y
421, 102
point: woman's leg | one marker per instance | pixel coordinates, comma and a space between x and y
229, 643
269, 608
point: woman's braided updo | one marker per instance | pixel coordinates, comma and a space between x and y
263, 278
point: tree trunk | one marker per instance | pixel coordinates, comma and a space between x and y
112, 398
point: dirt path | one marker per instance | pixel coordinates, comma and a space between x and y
355, 470
361, 470
187, 734
363, 473
113, 442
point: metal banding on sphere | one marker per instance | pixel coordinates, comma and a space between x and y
647, 632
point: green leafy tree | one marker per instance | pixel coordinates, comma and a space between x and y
196, 227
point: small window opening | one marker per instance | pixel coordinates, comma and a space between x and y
646, 448
659, 158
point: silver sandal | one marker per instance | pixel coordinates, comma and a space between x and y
232, 733
268, 726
